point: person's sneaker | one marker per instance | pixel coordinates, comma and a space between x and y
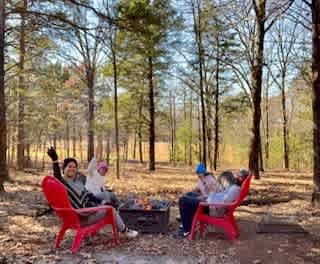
180, 234
129, 233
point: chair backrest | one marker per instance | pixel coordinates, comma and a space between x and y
57, 197
243, 192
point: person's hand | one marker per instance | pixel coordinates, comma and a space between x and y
52, 154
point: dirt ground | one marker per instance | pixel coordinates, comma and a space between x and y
25, 238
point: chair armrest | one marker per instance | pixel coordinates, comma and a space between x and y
94, 209
220, 205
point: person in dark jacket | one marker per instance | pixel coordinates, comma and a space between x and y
79, 196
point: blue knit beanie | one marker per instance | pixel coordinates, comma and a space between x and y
201, 169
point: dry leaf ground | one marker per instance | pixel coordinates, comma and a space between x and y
25, 238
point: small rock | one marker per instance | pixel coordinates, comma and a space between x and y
269, 251
257, 261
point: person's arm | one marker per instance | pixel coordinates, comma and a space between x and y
196, 188
92, 167
213, 185
232, 194
55, 163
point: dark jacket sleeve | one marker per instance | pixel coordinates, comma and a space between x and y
57, 171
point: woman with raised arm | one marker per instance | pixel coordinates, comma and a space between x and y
79, 196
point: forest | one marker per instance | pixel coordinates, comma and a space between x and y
154, 84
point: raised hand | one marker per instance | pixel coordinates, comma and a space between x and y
52, 154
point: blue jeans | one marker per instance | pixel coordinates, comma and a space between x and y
188, 204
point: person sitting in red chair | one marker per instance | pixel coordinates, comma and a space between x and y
189, 207
79, 196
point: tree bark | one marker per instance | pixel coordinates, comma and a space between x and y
140, 129
173, 128
185, 121
21, 92
316, 98
256, 79
67, 136
151, 113
285, 130
216, 117
80, 145
266, 145
3, 122
74, 141
116, 121
134, 144
197, 24
108, 148
90, 84
199, 134
191, 129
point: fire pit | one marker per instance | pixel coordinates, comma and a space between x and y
146, 216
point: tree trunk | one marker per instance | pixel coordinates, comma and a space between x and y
199, 134
256, 79
140, 129
134, 144
21, 92
3, 122
44, 153
74, 140
266, 145
116, 122
151, 113
185, 122
216, 117
203, 107
173, 129
80, 145
90, 147
285, 130
108, 148
67, 136
191, 129
197, 24
261, 167
316, 98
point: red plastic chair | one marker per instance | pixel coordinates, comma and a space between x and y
58, 199
227, 221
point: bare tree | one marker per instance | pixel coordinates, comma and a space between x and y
284, 37
3, 122
85, 56
315, 9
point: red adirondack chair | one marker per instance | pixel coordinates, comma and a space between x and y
227, 221
58, 199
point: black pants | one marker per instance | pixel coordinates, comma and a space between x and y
188, 205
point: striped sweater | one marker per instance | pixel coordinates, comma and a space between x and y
79, 196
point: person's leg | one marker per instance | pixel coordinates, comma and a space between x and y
188, 207
104, 196
120, 224
192, 194
109, 198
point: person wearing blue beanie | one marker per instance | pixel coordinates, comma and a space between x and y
201, 169
188, 203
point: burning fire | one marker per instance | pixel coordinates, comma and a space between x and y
144, 203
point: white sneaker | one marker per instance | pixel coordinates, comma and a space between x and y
129, 233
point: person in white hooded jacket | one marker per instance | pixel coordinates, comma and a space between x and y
95, 182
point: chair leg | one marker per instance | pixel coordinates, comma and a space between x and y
202, 228
231, 231
236, 227
60, 236
77, 241
193, 227
115, 233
